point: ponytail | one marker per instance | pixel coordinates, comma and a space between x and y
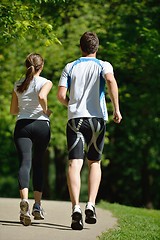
33, 64
29, 76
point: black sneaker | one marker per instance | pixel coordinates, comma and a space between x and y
90, 212
77, 221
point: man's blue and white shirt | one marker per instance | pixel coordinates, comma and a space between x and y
84, 78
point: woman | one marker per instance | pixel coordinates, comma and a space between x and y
32, 132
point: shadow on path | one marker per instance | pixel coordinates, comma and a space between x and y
38, 224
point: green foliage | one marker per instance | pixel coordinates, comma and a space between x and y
132, 46
18, 18
133, 223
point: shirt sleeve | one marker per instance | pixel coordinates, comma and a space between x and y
15, 86
107, 68
64, 78
40, 83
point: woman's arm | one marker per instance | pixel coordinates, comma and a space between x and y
14, 109
43, 97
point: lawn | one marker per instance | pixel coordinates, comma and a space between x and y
133, 223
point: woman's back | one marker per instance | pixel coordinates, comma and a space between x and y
29, 106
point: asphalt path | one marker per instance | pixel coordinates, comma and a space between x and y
55, 226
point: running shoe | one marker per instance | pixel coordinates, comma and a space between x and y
25, 216
90, 212
38, 212
77, 221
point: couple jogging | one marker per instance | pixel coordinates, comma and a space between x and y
81, 90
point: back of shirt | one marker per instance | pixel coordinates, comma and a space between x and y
85, 80
28, 102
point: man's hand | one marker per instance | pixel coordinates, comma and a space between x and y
117, 117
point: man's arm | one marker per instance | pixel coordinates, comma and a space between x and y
62, 95
14, 109
113, 93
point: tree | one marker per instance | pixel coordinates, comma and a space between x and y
18, 18
133, 43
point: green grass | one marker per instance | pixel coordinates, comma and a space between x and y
133, 223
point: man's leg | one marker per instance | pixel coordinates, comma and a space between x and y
74, 186
75, 141
94, 179
74, 180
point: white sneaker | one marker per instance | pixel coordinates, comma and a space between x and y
38, 212
25, 216
77, 221
90, 212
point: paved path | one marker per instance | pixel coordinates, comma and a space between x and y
56, 225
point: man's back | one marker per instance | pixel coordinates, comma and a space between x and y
85, 80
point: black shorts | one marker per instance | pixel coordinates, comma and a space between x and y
85, 130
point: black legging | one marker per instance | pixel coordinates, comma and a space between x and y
31, 135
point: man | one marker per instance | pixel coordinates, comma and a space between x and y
87, 115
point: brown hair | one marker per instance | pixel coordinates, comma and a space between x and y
89, 42
33, 64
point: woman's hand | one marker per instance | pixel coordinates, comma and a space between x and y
48, 112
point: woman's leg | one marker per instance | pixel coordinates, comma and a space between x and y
41, 140
24, 193
24, 148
